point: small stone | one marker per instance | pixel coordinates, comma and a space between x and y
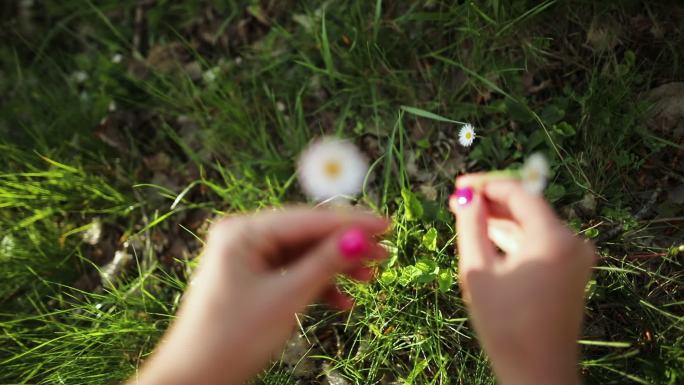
588, 203
158, 162
93, 235
676, 194
667, 113
114, 268
333, 377
295, 355
194, 70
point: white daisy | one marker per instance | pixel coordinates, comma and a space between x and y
467, 135
332, 168
535, 173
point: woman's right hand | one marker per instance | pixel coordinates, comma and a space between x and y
526, 302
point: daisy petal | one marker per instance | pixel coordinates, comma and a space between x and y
330, 168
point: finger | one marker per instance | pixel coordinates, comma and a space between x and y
343, 251
282, 235
474, 247
362, 273
475, 180
505, 234
377, 252
335, 298
531, 211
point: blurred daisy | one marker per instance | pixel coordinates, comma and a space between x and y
467, 135
79, 76
332, 168
535, 173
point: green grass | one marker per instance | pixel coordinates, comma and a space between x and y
212, 102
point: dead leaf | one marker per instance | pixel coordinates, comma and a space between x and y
333, 377
668, 109
676, 194
258, 13
429, 191
603, 35
588, 204
108, 132
297, 356
193, 70
167, 57
158, 162
531, 86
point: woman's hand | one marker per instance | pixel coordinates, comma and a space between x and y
257, 271
526, 302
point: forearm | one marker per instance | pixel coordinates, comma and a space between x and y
538, 378
187, 356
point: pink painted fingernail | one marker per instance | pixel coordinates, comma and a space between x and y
463, 196
353, 244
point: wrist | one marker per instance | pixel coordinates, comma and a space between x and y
187, 355
539, 373
546, 366
543, 379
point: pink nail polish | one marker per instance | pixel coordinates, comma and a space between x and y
463, 196
353, 244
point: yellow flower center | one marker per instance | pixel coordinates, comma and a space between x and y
332, 169
468, 135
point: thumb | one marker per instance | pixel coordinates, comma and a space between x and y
474, 247
311, 275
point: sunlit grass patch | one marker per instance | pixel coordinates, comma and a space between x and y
207, 106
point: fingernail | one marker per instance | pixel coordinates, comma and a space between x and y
353, 244
463, 196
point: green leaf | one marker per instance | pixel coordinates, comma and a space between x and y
428, 270
409, 274
393, 252
325, 48
428, 114
425, 278
445, 279
388, 276
417, 370
430, 239
565, 129
413, 209
518, 110
591, 232
536, 138
555, 192
426, 266
552, 114
423, 143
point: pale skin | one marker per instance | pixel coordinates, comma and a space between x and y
525, 302
258, 271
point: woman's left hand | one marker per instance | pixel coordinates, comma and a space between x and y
257, 271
